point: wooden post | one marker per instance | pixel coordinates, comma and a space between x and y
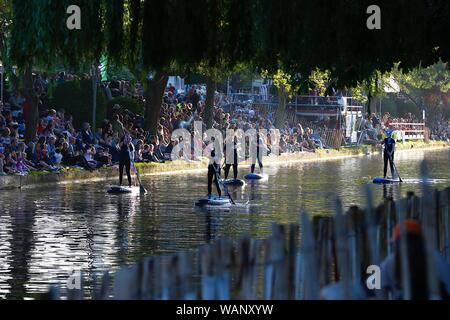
173, 277
101, 293
223, 267
429, 229
268, 271
206, 272
246, 269
127, 283
390, 225
54, 293
410, 205
372, 227
157, 284
279, 257
447, 223
309, 279
341, 233
319, 235
404, 257
354, 243
186, 275
77, 294
147, 283
446, 218
292, 259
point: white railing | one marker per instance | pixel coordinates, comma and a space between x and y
409, 131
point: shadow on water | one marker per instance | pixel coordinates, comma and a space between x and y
21, 245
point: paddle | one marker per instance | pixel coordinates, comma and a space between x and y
395, 168
224, 186
138, 178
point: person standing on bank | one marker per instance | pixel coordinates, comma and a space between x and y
388, 154
126, 152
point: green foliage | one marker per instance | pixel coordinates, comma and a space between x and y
75, 97
194, 78
131, 104
115, 29
50, 40
399, 107
5, 24
434, 78
428, 88
116, 73
297, 37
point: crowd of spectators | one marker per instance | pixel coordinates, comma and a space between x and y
373, 127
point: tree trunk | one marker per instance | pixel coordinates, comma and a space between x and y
281, 111
154, 92
371, 104
209, 104
32, 114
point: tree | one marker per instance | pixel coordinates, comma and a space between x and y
283, 82
49, 45
428, 88
299, 35
214, 75
5, 23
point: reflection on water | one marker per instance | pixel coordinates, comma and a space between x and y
47, 232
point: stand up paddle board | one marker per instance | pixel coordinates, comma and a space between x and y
122, 190
254, 176
380, 180
214, 201
234, 182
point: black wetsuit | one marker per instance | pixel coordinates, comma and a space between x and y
258, 156
235, 162
213, 173
125, 161
388, 155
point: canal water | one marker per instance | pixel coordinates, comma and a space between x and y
47, 232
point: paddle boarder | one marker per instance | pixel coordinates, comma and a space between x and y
213, 153
259, 148
126, 152
388, 154
234, 154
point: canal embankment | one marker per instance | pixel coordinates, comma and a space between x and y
181, 166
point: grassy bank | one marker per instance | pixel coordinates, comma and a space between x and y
172, 167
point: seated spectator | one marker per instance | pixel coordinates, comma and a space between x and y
22, 164
86, 134
5, 138
67, 155
51, 147
89, 153
49, 130
43, 161
102, 157
149, 155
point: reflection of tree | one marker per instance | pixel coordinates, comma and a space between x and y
388, 192
146, 227
22, 243
123, 210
